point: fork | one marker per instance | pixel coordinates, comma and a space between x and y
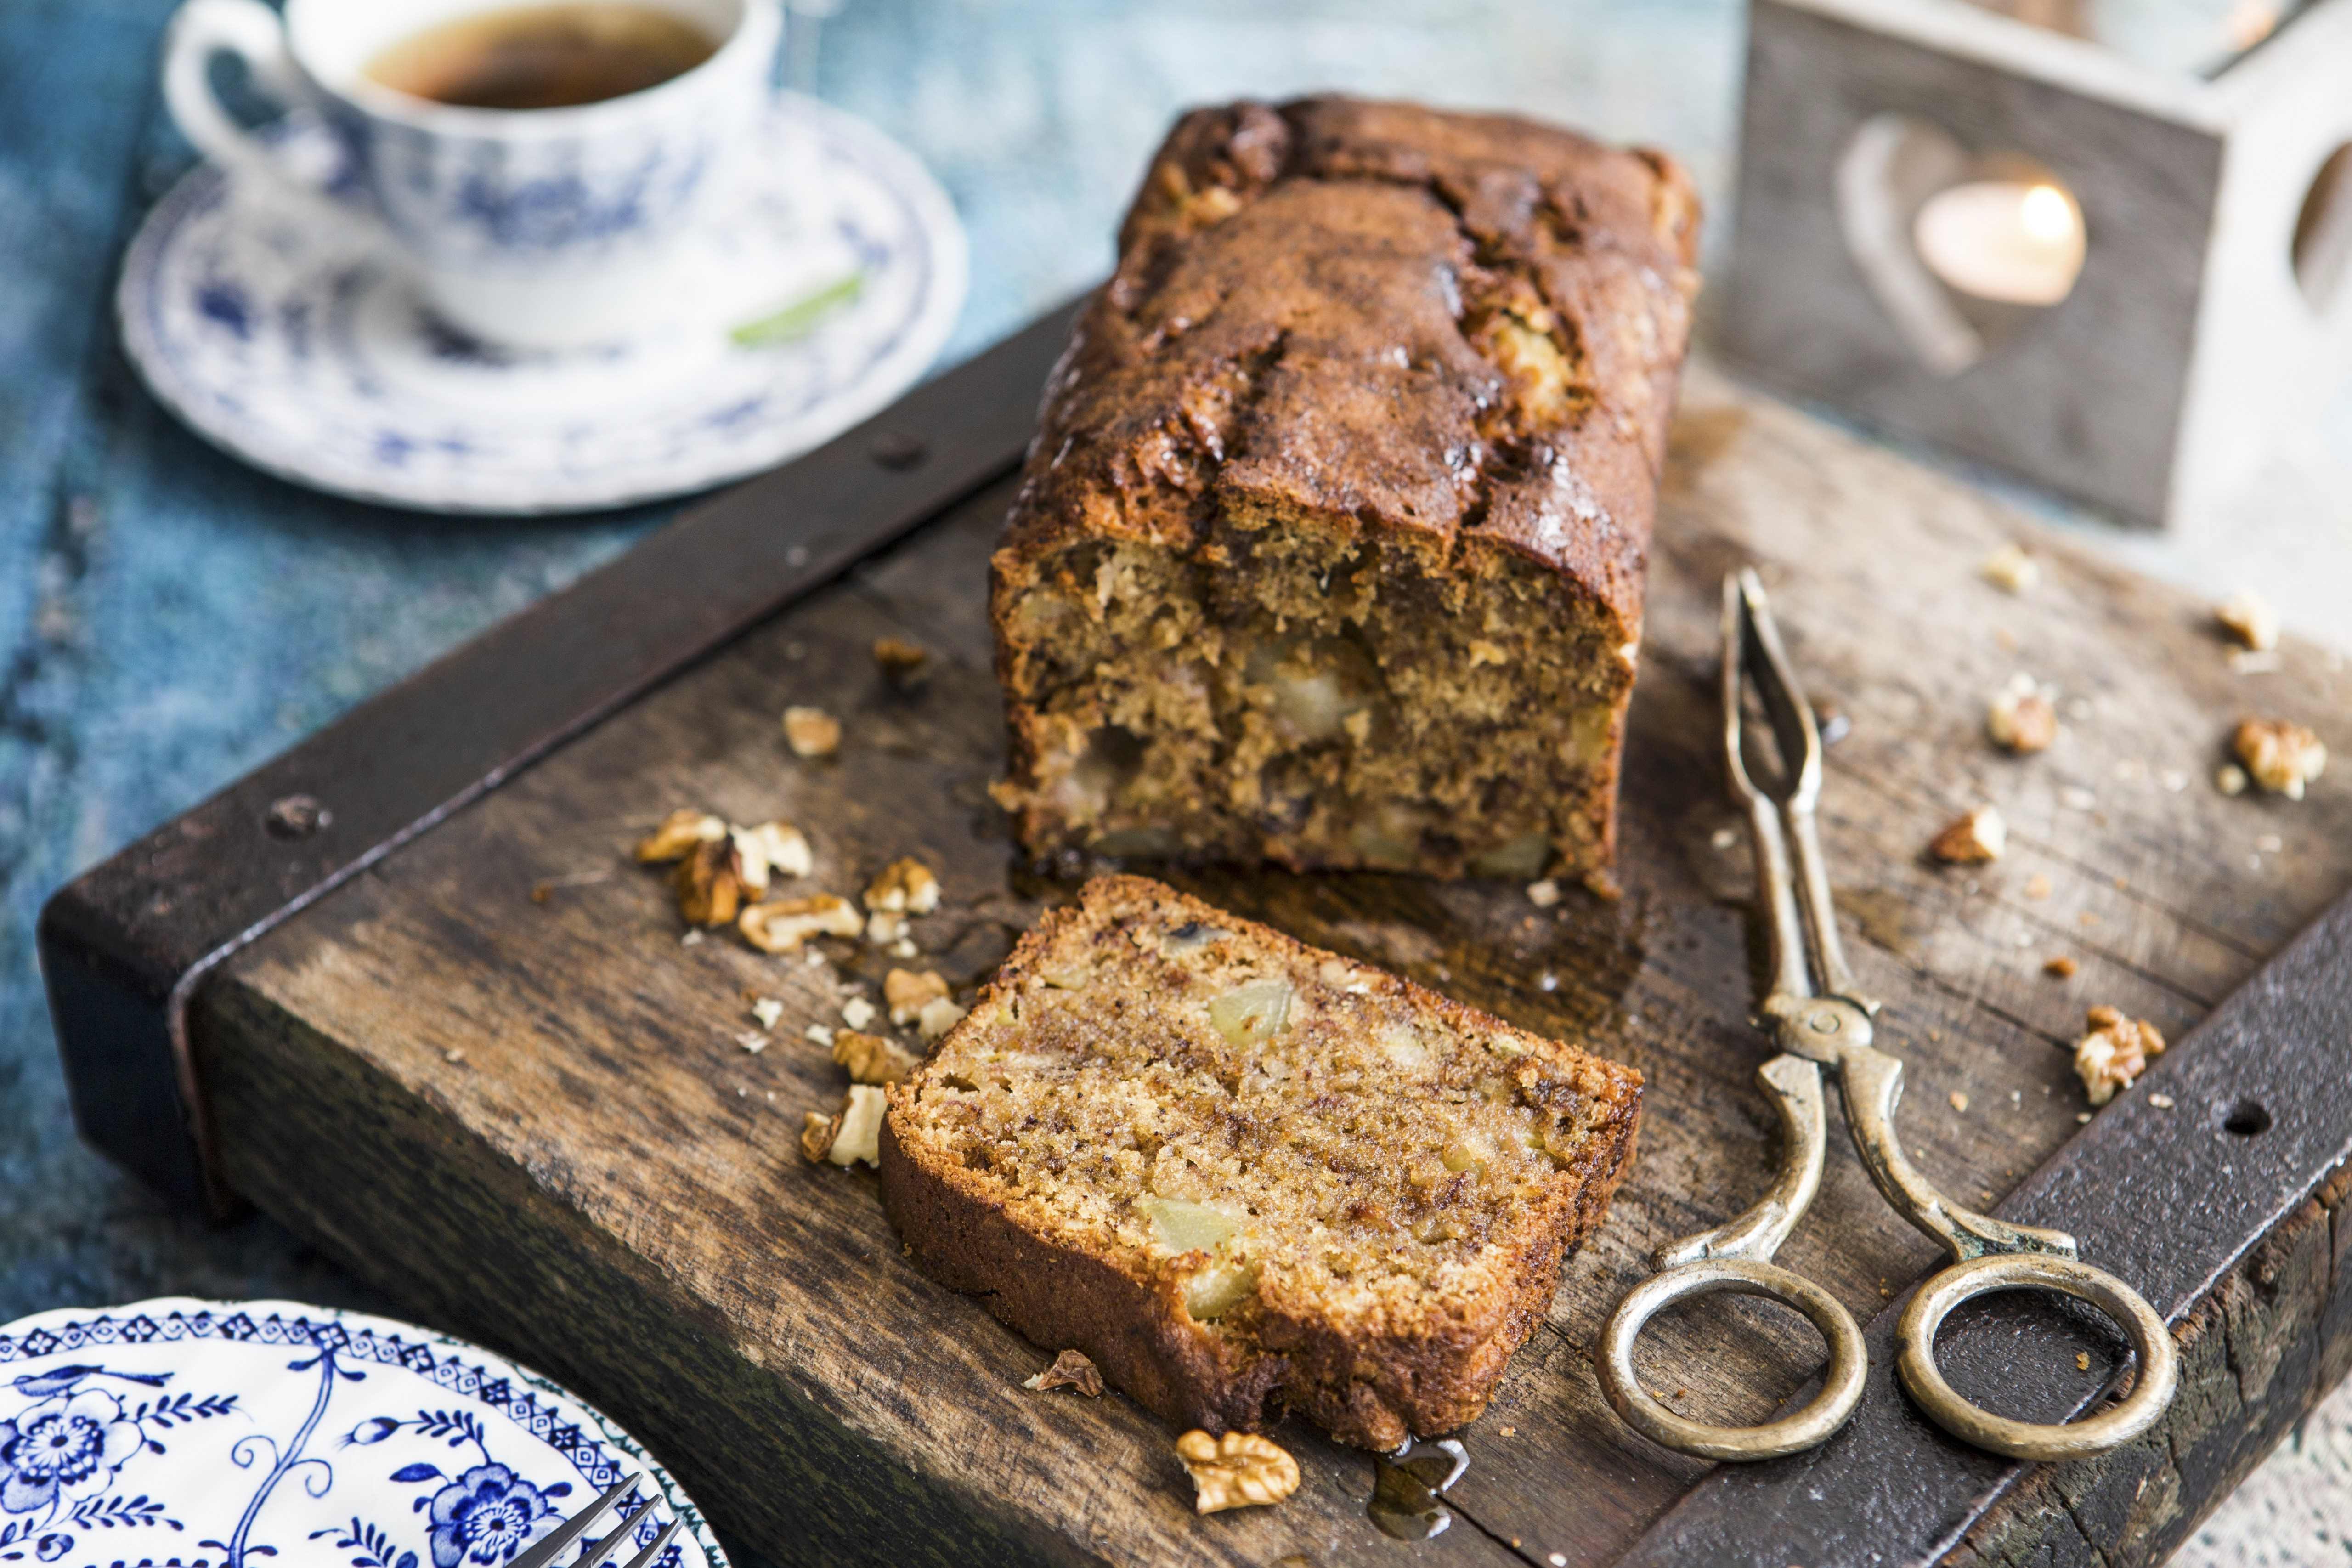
548, 1550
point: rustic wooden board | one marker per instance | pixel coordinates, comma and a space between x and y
533, 1118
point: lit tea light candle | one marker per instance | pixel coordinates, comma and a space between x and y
2002, 239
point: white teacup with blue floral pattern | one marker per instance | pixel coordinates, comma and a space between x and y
537, 227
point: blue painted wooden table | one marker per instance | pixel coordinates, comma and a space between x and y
169, 618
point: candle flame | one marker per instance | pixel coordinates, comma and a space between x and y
2046, 213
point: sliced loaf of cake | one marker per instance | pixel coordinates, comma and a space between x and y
1244, 1174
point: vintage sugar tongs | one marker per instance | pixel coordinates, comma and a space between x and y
1828, 1024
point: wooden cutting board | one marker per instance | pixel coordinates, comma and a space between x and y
489, 1076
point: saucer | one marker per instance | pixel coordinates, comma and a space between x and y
825, 290
219, 1435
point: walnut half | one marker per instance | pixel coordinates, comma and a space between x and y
1237, 1470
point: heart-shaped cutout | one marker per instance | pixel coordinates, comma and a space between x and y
1960, 249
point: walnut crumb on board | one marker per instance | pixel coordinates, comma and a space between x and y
906, 992
1071, 1369
1959, 1101
2082, 1361
2114, 1053
2248, 616
785, 925
2021, 718
2011, 570
680, 831
709, 883
905, 887
1239, 1470
769, 849
2060, 967
811, 732
937, 1016
2230, 779
1971, 839
901, 661
2279, 754
1543, 895
872, 1058
851, 1134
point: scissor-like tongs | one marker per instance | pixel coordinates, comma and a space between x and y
1828, 1025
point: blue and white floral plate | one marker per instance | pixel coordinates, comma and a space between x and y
287, 338
185, 1433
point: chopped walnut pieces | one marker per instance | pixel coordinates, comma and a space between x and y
2114, 1053
905, 886
937, 1016
2060, 967
767, 1010
857, 1012
2279, 754
771, 846
2011, 570
1236, 1470
872, 1058
811, 732
2248, 616
817, 1130
859, 1135
883, 928
709, 883
1071, 1369
901, 661
906, 992
2021, 718
783, 926
679, 834
1973, 839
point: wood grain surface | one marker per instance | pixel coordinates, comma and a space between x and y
534, 1117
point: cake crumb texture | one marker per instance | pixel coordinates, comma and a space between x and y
1243, 1176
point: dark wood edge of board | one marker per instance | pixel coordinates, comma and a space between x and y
124, 947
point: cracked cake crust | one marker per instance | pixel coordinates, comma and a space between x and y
1407, 362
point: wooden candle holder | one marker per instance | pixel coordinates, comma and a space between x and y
2213, 303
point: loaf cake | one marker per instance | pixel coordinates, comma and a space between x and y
1330, 550
1244, 1175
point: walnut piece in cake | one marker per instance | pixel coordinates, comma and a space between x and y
1330, 549
1244, 1175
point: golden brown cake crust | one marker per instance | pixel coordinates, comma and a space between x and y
1427, 1352
1449, 339
1296, 313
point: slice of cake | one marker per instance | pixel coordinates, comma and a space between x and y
1330, 547
1242, 1174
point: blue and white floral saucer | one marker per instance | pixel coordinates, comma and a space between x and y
185, 1433
832, 280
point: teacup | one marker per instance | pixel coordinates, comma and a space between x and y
534, 228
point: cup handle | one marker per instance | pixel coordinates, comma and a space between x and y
251, 31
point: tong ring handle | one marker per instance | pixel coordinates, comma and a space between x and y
1972, 1424
1842, 1381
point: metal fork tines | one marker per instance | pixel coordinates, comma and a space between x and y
548, 1548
